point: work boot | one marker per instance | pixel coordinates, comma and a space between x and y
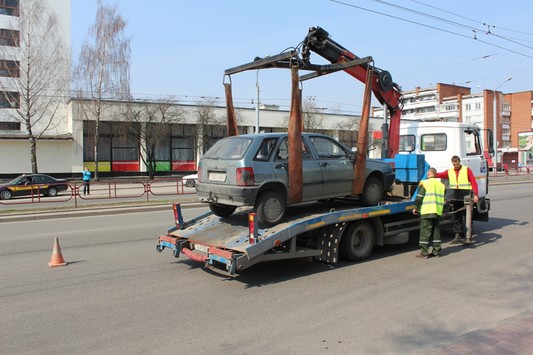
458, 239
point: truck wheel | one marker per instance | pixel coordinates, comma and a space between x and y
270, 208
373, 191
357, 241
222, 210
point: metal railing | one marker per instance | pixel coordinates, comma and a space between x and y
138, 189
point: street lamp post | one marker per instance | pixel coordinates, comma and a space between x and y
257, 103
495, 128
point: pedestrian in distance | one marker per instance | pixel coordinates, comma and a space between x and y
461, 183
429, 204
86, 181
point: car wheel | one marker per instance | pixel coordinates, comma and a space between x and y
190, 183
270, 207
373, 192
52, 191
357, 241
222, 210
5, 194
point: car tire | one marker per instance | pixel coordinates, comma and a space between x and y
190, 183
6, 194
51, 192
357, 241
270, 208
221, 210
373, 191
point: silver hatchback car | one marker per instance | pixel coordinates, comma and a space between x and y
252, 170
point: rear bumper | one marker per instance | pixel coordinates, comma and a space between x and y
227, 195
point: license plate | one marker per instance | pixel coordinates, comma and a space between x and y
218, 177
201, 247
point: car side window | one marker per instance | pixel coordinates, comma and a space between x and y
283, 151
267, 146
328, 149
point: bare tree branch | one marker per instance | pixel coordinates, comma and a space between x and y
103, 71
151, 123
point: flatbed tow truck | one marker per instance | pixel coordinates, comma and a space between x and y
325, 231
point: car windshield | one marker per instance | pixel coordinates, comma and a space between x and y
229, 148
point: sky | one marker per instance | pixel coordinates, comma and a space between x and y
182, 48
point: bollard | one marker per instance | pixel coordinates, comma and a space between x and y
469, 204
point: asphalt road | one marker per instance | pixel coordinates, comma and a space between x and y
118, 295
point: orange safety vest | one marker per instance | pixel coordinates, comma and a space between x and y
459, 182
433, 202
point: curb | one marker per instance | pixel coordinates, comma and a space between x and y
93, 212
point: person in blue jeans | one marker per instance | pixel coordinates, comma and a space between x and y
86, 181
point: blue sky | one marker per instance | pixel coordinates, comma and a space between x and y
182, 48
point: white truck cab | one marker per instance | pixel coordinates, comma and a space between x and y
439, 141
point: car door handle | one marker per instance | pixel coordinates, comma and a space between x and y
279, 166
324, 165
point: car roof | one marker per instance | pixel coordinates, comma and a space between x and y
275, 135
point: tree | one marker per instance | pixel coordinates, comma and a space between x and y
151, 123
36, 74
312, 117
209, 126
103, 71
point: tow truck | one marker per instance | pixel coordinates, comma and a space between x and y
325, 231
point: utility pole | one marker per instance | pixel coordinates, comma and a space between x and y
495, 127
257, 103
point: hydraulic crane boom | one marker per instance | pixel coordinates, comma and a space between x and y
384, 89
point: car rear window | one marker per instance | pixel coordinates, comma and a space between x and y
229, 148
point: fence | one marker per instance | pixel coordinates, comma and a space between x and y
134, 189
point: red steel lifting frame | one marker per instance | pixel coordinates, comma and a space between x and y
290, 60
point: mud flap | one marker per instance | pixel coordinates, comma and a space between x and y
329, 241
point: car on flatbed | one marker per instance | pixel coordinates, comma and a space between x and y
252, 170
32, 185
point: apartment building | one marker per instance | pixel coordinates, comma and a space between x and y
513, 112
56, 148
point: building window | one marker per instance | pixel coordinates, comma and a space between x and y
9, 69
468, 107
478, 105
9, 99
9, 38
9, 126
9, 7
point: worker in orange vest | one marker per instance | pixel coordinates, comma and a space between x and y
461, 183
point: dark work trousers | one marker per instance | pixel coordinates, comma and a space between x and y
429, 235
459, 218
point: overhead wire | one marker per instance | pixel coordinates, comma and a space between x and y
430, 26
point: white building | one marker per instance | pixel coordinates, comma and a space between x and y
56, 148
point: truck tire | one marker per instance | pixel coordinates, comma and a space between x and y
357, 241
270, 208
373, 191
221, 210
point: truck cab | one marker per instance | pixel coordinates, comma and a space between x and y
439, 141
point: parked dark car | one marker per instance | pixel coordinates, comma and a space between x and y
32, 184
252, 170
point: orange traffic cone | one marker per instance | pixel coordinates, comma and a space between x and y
57, 257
